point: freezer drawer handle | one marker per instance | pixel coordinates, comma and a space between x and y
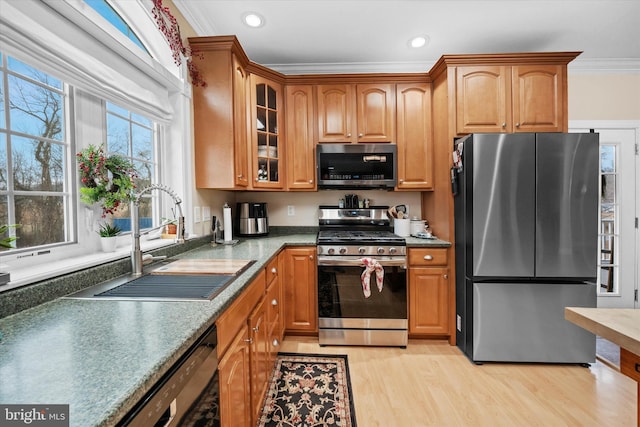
428, 257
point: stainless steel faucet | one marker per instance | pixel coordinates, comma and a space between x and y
136, 252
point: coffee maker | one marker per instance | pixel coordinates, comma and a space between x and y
251, 219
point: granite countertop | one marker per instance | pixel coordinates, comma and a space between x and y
621, 326
101, 357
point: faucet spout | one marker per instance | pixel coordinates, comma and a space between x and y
136, 252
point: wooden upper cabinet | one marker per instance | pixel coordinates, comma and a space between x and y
220, 126
299, 125
356, 113
519, 98
335, 113
376, 113
538, 99
266, 133
482, 99
414, 136
241, 155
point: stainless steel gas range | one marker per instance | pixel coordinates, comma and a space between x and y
362, 278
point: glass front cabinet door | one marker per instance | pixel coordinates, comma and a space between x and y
266, 101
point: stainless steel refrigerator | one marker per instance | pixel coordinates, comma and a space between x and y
526, 223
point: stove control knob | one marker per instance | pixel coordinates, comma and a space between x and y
331, 251
361, 250
393, 251
343, 250
380, 251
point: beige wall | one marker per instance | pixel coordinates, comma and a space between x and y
604, 96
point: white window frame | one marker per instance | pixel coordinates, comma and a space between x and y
148, 87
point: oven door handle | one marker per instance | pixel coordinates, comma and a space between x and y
357, 262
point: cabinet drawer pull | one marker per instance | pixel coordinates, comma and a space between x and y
428, 257
256, 328
276, 342
249, 340
274, 302
274, 270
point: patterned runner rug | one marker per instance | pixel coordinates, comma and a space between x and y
309, 390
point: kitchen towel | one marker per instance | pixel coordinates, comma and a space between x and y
371, 265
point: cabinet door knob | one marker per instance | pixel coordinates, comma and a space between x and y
518, 125
428, 257
274, 302
360, 135
401, 181
276, 342
504, 125
256, 328
311, 257
274, 270
241, 176
348, 135
249, 340
310, 181
446, 276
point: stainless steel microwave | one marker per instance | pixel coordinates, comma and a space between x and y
356, 166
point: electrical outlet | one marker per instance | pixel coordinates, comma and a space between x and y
206, 213
196, 214
291, 210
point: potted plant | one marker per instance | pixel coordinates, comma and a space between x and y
106, 179
6, 242
108, 233
171, 225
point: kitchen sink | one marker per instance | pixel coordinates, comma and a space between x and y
161, 287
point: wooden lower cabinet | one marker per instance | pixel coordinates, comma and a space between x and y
233, 374
246, 334
300, 291
259, 357
429, 292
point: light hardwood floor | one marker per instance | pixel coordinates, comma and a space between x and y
431, 383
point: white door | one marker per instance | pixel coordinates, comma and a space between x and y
619, 240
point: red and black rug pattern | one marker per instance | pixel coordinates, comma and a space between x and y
309, 390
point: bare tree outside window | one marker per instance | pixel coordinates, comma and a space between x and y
33, 154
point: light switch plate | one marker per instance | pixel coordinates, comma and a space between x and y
206, 213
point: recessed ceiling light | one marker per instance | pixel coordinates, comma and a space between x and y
253, 19
419, 41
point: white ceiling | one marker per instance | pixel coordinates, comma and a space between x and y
316, 36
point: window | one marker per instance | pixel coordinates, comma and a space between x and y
34, 155
108, 13
608, 218
133, 135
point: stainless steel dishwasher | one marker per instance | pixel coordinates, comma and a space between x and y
175, 395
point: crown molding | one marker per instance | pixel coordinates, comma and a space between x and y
604, 66
352, 67
577, 66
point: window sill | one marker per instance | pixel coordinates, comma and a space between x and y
35, 273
